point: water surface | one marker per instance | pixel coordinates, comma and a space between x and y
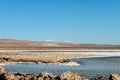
89, 67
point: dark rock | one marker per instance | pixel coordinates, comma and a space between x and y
6, 59
100, 78
19, 74
57, 78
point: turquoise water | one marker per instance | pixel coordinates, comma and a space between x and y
89, 67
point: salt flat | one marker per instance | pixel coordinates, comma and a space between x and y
97, 53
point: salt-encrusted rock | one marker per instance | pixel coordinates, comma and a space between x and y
40, 78
114, 77
71, 76
47, 76
44, 74
1, 69
8, 76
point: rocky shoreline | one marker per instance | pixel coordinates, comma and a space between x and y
4, 75
45, 58
39, 57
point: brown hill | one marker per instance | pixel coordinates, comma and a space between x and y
24, 44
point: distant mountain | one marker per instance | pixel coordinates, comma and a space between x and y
11, 43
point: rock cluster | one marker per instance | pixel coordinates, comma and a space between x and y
47, 76
42, 76
111, 77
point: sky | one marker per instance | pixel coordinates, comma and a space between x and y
79, 21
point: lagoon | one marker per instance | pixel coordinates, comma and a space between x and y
89, 67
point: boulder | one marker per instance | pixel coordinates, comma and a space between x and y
47, 76
40, 78
114, 77
71, 76
8, 76
44, 74
1, 70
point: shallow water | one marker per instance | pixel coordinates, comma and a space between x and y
89, 67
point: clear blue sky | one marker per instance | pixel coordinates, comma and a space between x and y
82, 21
